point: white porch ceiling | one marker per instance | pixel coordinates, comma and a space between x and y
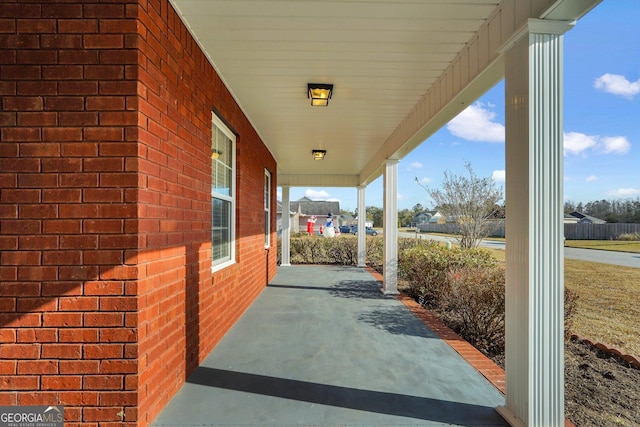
383, 56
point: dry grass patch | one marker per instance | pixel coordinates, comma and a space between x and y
498, 254
608, 306
609, 303
605, 245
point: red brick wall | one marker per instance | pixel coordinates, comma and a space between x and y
68, 208
184, 310
107, 300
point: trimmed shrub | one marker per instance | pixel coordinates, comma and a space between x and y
474, 306
570, 307
342, 250
319, 250
307, 250
412, 243
425, 268
374, 252
629, 237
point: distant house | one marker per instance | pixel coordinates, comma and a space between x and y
437, 218
279, 217
587, 219
367, 223
301, 210
570, 219
346, 219
421, 218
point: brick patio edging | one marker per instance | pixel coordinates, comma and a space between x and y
633, 361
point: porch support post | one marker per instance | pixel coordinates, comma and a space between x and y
362, 217
390, 220
286, 229
534, 226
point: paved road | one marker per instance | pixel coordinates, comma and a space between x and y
624, 259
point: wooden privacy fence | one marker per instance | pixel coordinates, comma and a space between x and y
598, 231
452, 228
571, 231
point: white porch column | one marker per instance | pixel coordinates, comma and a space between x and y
286, 229
390, 212
534, 226
362, 217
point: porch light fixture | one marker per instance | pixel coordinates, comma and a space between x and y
319, 94
318, 154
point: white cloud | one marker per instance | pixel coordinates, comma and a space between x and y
400, 196
476, 123
624, 192
615, 145
498, 176
576, 143
617, 85
414, 165
316, 195
591, 178
425, 180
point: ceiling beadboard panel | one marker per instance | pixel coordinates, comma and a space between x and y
382, 56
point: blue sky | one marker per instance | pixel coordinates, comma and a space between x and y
601, 123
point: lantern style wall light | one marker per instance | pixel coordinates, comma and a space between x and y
318, 154
319, 94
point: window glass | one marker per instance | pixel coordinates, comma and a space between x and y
221, 163
267, 208
222, 193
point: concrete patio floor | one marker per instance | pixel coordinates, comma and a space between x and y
321, 346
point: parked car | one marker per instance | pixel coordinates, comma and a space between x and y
345, 229
370, 231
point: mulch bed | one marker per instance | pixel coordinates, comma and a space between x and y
601, 389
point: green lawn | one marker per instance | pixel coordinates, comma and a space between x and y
608, 303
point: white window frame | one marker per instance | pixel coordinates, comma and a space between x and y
267, 208
222, 263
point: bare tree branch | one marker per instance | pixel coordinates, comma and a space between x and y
470, 201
